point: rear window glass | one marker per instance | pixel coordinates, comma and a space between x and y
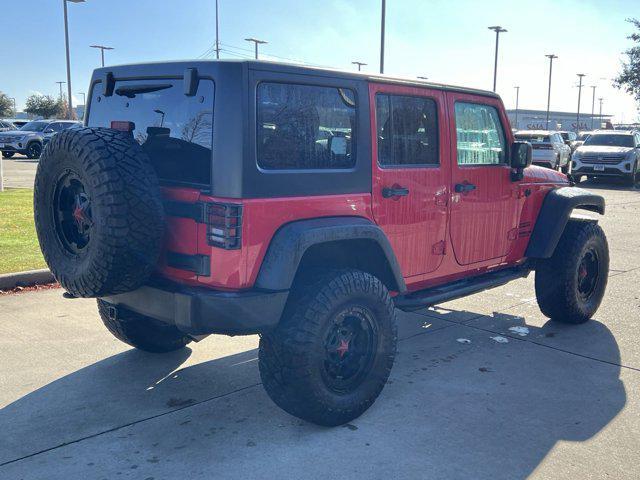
305, 127
174, 129
533, 138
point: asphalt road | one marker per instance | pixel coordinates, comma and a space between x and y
558, 402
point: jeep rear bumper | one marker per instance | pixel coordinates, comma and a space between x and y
198, 311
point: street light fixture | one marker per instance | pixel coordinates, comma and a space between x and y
66, 42
422, 78
102, 49
580, 75
359, 64
256, 42
551, 57
498, 29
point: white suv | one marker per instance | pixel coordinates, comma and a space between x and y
609, 153
549, 149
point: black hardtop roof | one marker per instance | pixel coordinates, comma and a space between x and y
173, 66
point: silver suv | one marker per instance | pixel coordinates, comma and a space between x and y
609, 153
549, 149
31, 137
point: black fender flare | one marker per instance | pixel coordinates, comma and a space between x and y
292, 240
555, 213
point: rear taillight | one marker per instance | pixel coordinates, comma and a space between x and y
123, 125
224, 225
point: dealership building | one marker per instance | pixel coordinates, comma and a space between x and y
536, 120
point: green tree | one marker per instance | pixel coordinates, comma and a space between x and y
629, 79
6, 106
43, 105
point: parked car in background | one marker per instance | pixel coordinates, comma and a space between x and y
6, 126
582, 136
549, 149
609, 153
30, 139
570, 138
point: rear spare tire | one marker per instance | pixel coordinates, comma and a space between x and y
98, 211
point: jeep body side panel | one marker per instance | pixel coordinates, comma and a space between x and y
554, 214
290, 243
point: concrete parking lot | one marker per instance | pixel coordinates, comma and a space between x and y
553, 402
19, 172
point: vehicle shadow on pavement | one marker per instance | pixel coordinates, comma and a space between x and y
607, 184
482, 409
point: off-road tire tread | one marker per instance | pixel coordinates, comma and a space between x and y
141, 332
556, 291
284, 361
131, 226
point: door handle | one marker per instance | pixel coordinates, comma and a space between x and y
388, 192
464, 187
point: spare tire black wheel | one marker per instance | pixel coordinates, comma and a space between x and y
98, 211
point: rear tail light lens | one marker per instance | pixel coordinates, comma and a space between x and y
224, 225
123, 126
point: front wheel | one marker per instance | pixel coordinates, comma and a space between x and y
139, 331
331, 354
34, 150
571, 284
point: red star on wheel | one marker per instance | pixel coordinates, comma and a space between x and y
343, 348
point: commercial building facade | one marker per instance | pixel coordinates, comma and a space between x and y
536, 120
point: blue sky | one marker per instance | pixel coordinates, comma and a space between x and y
447, 41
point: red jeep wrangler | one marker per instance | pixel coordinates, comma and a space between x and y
303, 205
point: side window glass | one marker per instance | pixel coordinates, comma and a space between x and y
305, 127
479, 134
407, 130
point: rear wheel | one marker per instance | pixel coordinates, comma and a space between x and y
332, 353
571, 284
143, 333
8, 154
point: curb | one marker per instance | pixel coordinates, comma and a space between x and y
9, 281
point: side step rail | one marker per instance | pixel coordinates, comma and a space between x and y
460, 288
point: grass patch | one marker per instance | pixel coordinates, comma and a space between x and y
19, 248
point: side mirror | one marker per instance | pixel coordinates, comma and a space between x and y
48, 130
521, 155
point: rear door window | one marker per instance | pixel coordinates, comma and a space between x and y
174, 129
305, 127
407, 130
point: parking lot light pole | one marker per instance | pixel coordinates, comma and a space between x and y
517, 102
551, 56
60, 85
256, 42
593, 104
580, 76
382, 22
66, 42
102, 49
359, 64
498, 29
600, 114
